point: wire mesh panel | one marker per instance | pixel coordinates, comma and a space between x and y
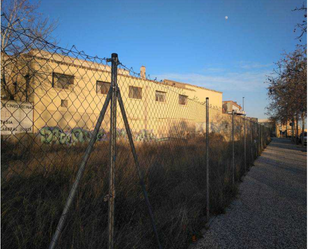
239, 146
56, 151
168, 129
51, 99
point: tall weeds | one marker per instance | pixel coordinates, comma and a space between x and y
36, 180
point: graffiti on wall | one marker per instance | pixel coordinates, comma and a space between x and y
55, 135
145, 136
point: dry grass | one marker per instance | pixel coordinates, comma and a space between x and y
36, 180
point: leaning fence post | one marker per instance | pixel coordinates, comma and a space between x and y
113, 118
233, 150
207, 159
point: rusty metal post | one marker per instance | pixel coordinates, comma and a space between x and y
207, 159
113, 119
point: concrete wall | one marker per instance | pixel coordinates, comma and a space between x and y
84, 104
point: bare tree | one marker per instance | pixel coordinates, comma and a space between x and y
22, 30
287, 89
23, 14
303, 25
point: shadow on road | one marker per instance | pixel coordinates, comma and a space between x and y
285, 143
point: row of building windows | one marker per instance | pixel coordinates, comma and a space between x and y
136, 93
64, 81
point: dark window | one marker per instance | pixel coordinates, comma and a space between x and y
103, 87
64, 103
62, 81
160, 96
183, 99
135, 92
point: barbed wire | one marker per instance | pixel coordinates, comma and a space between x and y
30, 34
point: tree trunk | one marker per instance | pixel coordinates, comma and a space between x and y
302, 128
27, 77
292, 135
296, 135
5, 87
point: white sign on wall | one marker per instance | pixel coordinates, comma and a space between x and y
16, 117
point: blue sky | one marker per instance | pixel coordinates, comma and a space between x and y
186, 41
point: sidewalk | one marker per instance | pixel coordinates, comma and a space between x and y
271, 209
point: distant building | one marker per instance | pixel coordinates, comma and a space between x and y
269, 124
285, 129
229, 106
253, 119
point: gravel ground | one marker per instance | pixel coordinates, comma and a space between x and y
271, 209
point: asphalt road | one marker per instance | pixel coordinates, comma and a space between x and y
271, 209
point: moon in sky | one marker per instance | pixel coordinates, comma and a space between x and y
226, 17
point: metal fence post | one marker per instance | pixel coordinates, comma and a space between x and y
207, 159
261, 146
258, 138
255, 135
245, 145
113, 119
251, 141
261, 139
233, 150
265, 138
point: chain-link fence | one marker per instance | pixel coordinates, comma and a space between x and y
95, 155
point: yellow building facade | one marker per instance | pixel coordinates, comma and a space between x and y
67, 92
